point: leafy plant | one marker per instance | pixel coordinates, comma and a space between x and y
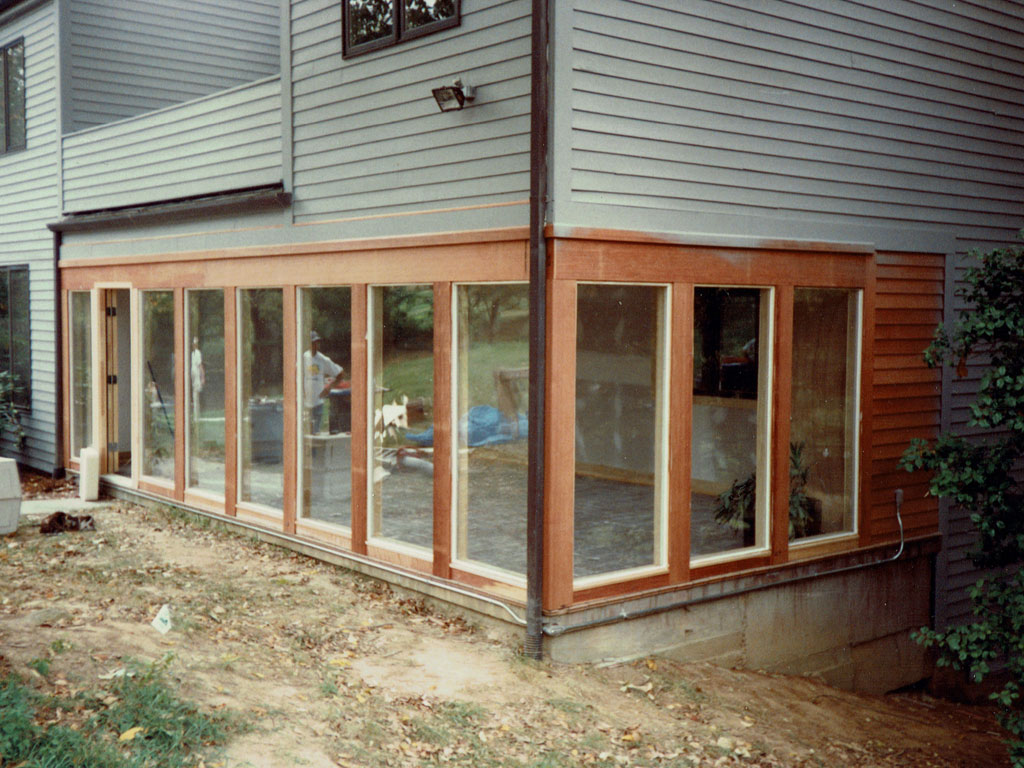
983, 475
10, 413
735, 507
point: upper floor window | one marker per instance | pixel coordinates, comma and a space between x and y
12, 96
372, 24
14, 331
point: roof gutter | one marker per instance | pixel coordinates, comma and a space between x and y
539, 77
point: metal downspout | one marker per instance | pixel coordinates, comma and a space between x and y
533, 644
58, 356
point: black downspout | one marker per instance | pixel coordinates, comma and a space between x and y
533, 645
58, 367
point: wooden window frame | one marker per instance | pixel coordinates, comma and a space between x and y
400, 30
597, 260
6, 146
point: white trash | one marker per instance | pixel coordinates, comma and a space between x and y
10, 496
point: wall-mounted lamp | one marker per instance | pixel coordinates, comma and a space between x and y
453, 97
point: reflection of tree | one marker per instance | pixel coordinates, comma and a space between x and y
408, 316
419, 13
371, 20
13, 112
487, 303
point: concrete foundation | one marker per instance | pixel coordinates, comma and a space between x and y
850, 628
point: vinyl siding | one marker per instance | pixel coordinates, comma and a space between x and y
804, 117
368, 137
28, 202
231, 140
134, 56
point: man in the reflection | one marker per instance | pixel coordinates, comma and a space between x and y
320, 376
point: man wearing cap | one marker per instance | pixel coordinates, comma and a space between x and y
320, 376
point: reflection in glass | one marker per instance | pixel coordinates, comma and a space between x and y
823, 419
369, 20
421, 13
729, 492
325, 462
12, 83
491, 402
402, 469
81, 371
619, 489
157, 384
15, 353
261, 406
204, 390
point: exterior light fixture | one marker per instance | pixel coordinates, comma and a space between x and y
453, 97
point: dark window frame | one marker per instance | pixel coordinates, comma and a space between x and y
6, 143
12, 327
399, 32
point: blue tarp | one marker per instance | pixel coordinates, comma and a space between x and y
482, 425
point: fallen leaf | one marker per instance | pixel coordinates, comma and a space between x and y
131, 733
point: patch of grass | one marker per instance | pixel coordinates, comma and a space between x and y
42, 666
172, 733
60, 645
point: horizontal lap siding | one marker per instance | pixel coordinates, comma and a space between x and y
28, 202
227, 141
906, 398
129, 57
816, 114
368, 137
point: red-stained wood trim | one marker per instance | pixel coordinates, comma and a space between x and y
867, 395
465, 262
729, 566
680, 427
617, 588
180, 411
230, 400
401, 559
442, 429
783, 397
560, 449
510, 592
518, 236
610, 261
334, 537
290, 431
360, 436
158, 487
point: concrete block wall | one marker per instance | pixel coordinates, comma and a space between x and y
850, 629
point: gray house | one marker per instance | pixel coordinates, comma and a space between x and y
602, 317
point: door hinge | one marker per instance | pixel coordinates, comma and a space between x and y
111, 311
112, 378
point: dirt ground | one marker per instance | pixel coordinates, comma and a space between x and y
332, 669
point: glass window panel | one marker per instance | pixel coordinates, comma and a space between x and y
157, 384
5, 321
619, 421
21, 359
731, 354
402, 469
16, 96
369, 21
204, 390
81, 371
261, 385
3, 100
823, 416
423, 13
325, 461
491, 399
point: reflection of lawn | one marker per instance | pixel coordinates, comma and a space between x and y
412, 373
